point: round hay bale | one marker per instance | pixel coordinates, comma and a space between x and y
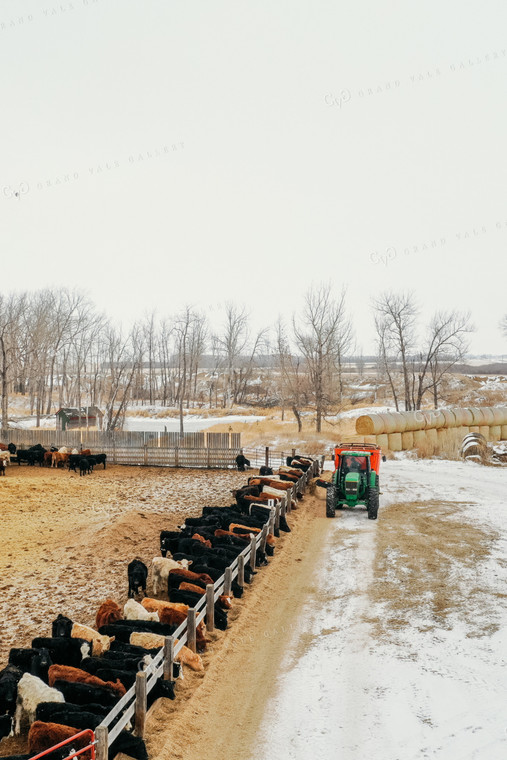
450, 420
390, 422
495, 433
484, 430
432, 437
419, 438
474, 428
407, 440
394, 440
477, 416
467, 418
474, 447
369, 424
415, 420
499, 414
488, 416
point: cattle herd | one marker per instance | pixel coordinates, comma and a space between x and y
70, 681
75, 460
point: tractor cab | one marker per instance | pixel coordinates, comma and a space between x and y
355, 479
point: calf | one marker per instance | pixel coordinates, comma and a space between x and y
137, 575
64, 651
32, 691
108, 612
47, 711
43, 736
85, 467
83, 693
34, 661
135, 611
77, 675
99, 642
176, 576
9, 679
161, 567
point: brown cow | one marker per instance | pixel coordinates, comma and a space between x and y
108, 612
43, 736
76, 675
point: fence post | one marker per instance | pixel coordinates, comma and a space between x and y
210, 607
277, 519
228, 581
176, 457
271, 523
253, 549
101, 733
209, 457
241, 570
266, 456
168, 658
264, 538
293, 452
145, 454
191, 633
140, 716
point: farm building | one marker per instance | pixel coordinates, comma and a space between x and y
72, 418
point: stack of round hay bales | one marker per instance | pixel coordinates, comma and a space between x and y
432, 428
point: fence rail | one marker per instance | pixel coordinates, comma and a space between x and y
94, 439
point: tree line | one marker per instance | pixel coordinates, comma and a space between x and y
58, 350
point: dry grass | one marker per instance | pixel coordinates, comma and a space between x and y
272, 431
427, 571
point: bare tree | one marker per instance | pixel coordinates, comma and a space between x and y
11, 311
446, 344
395, 318
293, 378
124, 357
317, 336
233, 341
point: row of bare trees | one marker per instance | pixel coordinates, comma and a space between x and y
57, 350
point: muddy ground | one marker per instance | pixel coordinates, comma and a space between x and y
66, 540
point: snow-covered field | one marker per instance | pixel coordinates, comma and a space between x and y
192, 423
422, 685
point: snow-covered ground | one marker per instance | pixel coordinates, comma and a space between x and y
192, 423
432, 691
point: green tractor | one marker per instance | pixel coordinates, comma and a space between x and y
355, 479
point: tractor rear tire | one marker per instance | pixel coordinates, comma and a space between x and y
373, 499
331, 502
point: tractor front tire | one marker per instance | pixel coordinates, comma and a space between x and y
373, 499
331, 502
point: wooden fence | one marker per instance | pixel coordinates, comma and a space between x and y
94, 439
133, 704
150, 449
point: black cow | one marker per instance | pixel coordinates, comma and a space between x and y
45, 710
61, 627
83, 693
64, 651
85, 467
137, 574
6, 726
241, 461
74, 460
265, 470
34, 661
9, 678
192, 598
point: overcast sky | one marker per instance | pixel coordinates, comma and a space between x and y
159, 153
